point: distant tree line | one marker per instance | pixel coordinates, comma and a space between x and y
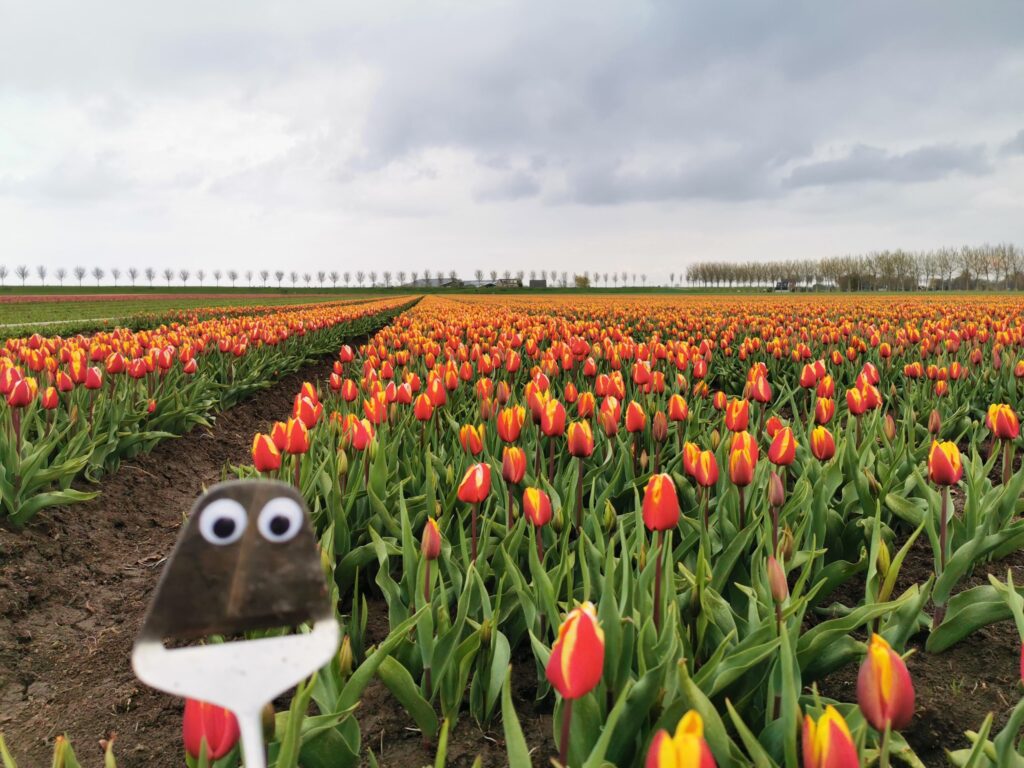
983, 267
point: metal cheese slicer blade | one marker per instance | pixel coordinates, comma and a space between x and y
241, 676
246, 560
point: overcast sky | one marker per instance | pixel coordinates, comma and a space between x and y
522, 135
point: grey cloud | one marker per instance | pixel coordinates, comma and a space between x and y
511, 186
1014, 146
867, 163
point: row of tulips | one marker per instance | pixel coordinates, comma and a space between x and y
485, 468
80, 405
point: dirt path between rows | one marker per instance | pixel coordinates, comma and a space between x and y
75, 584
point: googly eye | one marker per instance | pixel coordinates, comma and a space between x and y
222, 522
280, 519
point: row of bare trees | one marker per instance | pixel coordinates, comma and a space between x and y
982, 267
265, 277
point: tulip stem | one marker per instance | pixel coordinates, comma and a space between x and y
883, 748
579, 496
426, 581
1007, 461
743, 508
509, 524
775, 531
472, 529
707, 515
551, 459
942, 529
540, 546
657, 581
298, 469
563, 744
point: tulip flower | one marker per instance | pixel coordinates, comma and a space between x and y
513, 469
660, 513
737, 415
50, 399
473, 489
1005, 427
510, 423
537, 508
828, 743
430, 548
207, 728
691, 453
824, 410
885, 692
472, 439
823, 445
265, 455
684, 749
706, 474
782, 451
742, 463
576, 663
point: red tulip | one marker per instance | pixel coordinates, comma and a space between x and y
93, 378
828, 743
423, 409
782, 451
685, 749
510, 423
636, 419
885, 692
476, 484
296, 437
472, 439
706, 469
513, 464
678, 410
737, 415
823, 445
580, 439
430, 544
50, 399
944, 465
552, 421
536, 506
265, 455
661, 504
577, 657
1003, 422
209, 724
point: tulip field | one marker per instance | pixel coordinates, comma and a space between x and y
664, 531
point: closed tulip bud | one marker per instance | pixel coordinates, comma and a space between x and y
636, 419
684, 749
552, 420
944, 465
577, 657
345, 657
885, 692
50, 399
513, 464
824, 410
661, 504
828, 743
209, 724
422, 408
265, 456
823, 445
786, 544
776, 491
934, 422
777, 581
472, 439
510, 423
706, 471
93, 378
609, 516
430, 544
716, 439
743, 460
580, 439
737, 415
296, 437
678, 410
1002, 422
873, 484
537, 506
476, 484
782, 451
21, 393
889, 427
691, 453
342, 462
558, 520
856, 402
151, 407
659, 427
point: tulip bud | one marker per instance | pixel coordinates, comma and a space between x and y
609, 516
777, 581
485, 632
828, 743
659, 427
934, 422
430, 544
684, 749
342, 462
889, 427
776, 491
786, 544
885, 692
557, 520
269, 719
715, 439
944, 463
577, 656
345, 657
209, 724
873, 484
